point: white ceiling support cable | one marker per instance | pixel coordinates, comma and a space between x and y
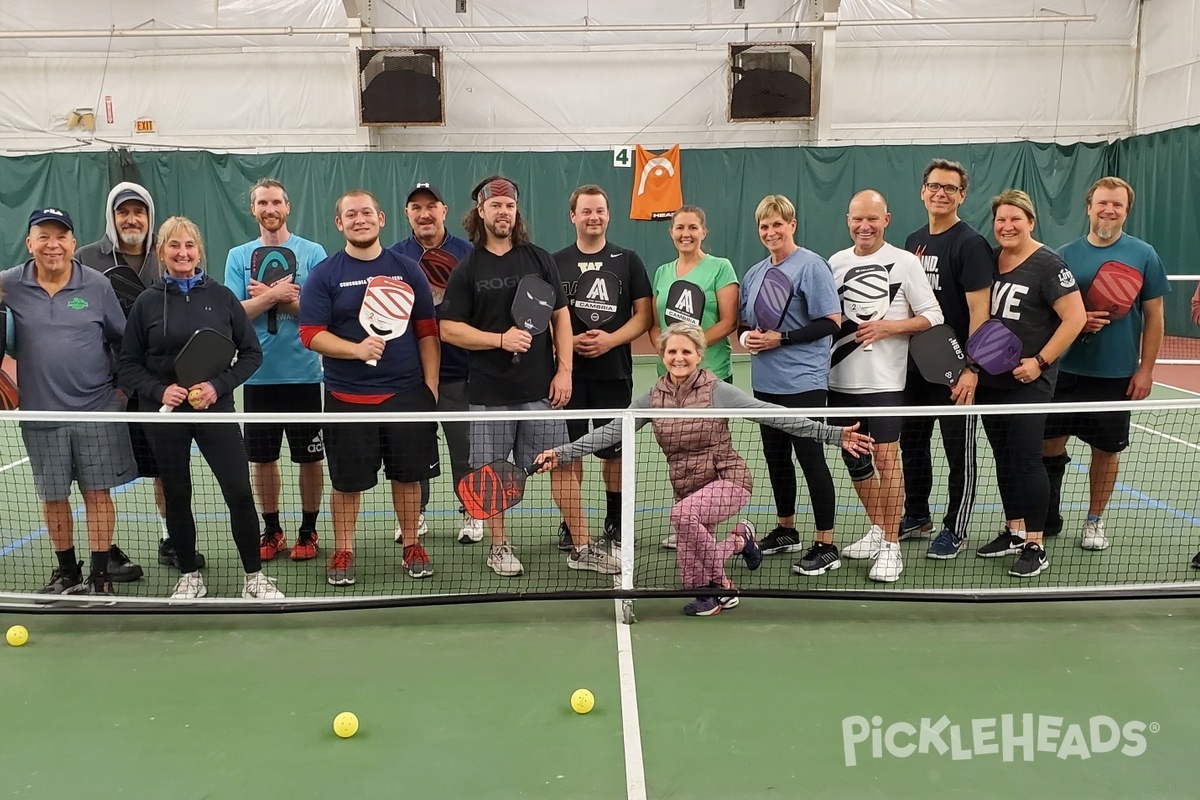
683, 27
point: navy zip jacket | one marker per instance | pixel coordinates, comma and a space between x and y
160, 323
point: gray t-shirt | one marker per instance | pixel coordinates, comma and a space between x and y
64, 344
724, 396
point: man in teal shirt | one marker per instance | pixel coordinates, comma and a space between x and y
1112, 361
289, 379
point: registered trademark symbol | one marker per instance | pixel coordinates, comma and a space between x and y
1155, 727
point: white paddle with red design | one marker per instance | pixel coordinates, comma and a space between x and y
386, 308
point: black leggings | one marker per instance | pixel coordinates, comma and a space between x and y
1016, 441
222, 447
777, 449
958, 444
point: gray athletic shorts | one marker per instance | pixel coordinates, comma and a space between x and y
96, 455
493, 440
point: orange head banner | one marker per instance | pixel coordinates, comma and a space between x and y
657, 189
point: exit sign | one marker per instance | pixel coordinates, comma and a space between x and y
144, 126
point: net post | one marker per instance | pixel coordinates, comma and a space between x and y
628, 508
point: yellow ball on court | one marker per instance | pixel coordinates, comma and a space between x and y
582, 701
345, 724
17, 635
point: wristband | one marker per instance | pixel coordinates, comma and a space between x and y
1041, 362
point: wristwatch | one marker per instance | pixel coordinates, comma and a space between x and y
973, 367
1041, 362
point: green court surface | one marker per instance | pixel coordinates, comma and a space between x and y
765, 701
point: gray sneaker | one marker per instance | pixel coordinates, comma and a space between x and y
594, 559
503, 562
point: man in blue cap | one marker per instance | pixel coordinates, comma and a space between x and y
57, 306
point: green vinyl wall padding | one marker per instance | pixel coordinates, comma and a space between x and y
212, 189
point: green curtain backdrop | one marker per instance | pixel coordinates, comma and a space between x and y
212, 189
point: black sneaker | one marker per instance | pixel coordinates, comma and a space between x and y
915, 527
565, 543
822, 557
120, 568
612, 530
1030, 562
1054, 525
64, 581
1005, 544
1196, 561
99, 584
780, 540
167, 555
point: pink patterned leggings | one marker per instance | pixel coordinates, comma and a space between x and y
695, 519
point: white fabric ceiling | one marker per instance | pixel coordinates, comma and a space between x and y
559, 90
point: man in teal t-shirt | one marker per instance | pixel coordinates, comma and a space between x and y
1112, 361
289, 379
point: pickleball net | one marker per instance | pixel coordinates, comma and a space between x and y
1152, 525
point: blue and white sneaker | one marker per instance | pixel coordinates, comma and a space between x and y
751, 553
945, 545
704, 607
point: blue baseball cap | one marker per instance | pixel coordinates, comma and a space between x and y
51, 214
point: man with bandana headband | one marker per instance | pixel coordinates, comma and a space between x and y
475, 316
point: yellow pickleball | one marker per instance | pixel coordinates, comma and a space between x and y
194, 398
582, 701
345, 724
17, 635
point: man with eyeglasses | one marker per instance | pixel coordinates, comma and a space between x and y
958, 264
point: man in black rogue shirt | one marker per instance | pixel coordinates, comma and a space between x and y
603, 376
958, 263
476, 316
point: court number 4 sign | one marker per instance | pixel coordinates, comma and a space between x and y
622, 156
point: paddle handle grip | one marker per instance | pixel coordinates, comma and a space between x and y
165, 409
373, 362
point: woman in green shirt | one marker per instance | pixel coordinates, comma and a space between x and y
714, 276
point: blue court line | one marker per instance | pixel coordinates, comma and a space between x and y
1145, 498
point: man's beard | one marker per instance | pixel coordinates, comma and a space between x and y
132, 239
491, 229
1107, 230
363, 244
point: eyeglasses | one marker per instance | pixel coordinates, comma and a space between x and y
949, 188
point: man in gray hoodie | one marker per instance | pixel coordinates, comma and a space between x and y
128, 241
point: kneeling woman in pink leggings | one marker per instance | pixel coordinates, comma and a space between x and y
710, 480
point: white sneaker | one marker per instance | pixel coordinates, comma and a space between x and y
503, 562
866, 547
471, 530
669, 541
260, 587
422, 529
1093, 537
888, 564
594, 559
190, 587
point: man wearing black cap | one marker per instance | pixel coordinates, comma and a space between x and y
476, 316
59, 306
438, 251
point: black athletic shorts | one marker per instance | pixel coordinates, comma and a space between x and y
1104, 430
408, 451
265, 439
586, 394
884, 429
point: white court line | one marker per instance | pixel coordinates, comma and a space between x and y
16, 463
635, 769
1168, 436
1176, 388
